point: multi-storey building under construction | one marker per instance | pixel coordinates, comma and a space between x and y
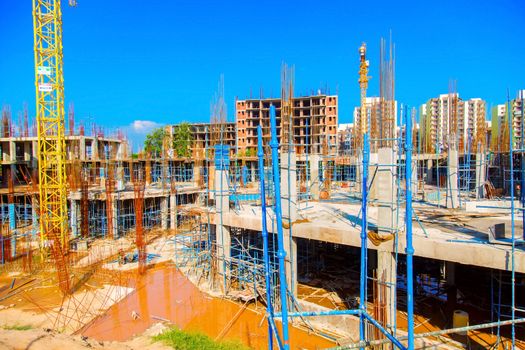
500, 124
314, 123
447, 117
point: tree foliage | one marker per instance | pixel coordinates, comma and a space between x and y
182, 139
154, 141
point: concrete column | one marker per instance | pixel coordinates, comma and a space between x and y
34, 161
372, 176
74, 217
82, 150
120, 177
34, 215
289, 209
164, 213
415, 178
430, 174
290, 247
173, 211
197, 176
12, 151
114, 203
253, 171
27, 151
358, 173
94, 149
313, 184
5, 152
452, 179
480, 175
289, 186
387, 207
450, 278
222, 206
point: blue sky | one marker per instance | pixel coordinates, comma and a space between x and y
160, 61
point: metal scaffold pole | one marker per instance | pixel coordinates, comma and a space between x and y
408, 217
269, 306
364, 226
281, 254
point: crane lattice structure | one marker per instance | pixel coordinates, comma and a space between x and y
49, 84
362, 125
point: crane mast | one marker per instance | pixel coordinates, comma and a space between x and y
363, 84
49, 84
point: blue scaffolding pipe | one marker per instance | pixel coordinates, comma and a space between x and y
390, 337
364, 227
281, 254
354, 312
513, 278
269, 308
408, 217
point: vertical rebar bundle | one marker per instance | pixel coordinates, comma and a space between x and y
138, 188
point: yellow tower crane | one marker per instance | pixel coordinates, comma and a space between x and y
363, 84
49, 84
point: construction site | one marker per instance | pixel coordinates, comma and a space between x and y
283, 229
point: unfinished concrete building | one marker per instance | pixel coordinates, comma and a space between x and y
314, 126
446, 115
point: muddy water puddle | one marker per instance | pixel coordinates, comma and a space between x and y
166, 294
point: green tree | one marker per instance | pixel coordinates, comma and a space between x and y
154, 140
182, 139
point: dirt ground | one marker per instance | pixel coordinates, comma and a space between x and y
42, 339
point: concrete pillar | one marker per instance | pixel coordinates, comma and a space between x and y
12, 151
34, 160
197, 176
114, 204
34, 215
164, 213
387, 208
74, 217
415, 178
313, 184
222, 206
372, 176
450, 278
82, 150
358, 173
480, 175
94, 149
253, 171
120, 177
289, 186
5, 152
452, 179
430, 174
27, 151
290, 247
173, 211
289, 209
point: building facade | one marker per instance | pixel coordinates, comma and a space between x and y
313, 124
448, 118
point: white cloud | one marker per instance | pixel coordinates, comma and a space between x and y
143, 126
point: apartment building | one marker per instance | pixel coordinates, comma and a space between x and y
448, 116
381, 121
500, 124
314, 123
